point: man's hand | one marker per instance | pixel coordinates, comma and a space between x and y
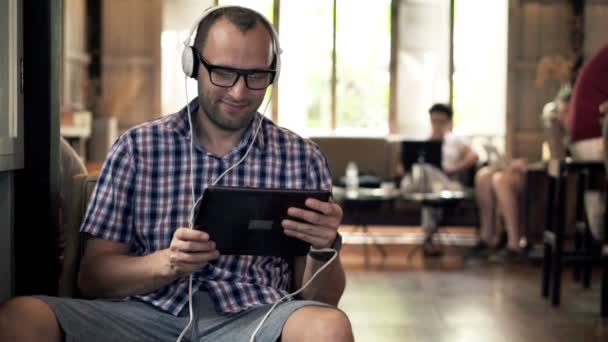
189, 251
321, 223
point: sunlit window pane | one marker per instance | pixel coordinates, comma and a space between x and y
305, 84
363, 42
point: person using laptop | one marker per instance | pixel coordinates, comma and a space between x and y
141, 251
457, 158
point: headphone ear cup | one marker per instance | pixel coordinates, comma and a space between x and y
189, 62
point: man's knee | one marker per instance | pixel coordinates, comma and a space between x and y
28, 319
332, 325
336, 326
320, 324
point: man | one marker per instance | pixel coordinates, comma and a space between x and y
457, 158
457, 155
140, 254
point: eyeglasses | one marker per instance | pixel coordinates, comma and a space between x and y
226, 77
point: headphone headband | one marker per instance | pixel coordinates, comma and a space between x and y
190, 62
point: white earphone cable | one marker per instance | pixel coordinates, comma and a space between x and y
192, 182
293, 294
195, 203
192, 185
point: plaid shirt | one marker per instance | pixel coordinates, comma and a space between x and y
144, 194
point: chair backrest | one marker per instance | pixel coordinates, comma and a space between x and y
82, 190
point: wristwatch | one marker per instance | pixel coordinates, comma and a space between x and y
321, 255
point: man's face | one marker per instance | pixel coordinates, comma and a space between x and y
232, 109
440, 124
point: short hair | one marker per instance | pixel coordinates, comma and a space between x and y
243, 18
442, 108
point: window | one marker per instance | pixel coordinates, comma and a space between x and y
361, 43
11, 115
363, 47
305, 83
335, 76
178, 18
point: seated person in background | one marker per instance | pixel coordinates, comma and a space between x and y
604, 110
457, 159
140, 251
71, 165
501, 187
590, 91
555, 122
588, 109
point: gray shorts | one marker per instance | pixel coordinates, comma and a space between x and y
134, 320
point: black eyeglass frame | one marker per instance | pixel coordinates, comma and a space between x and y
239, 72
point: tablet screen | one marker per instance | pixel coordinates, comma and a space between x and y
247, 221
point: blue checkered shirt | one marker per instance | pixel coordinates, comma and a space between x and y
144, 194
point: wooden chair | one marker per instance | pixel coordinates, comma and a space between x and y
555, 255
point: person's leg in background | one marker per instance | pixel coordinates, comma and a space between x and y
508, 187
487, 206
431, 217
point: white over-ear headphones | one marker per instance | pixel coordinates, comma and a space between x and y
190, 61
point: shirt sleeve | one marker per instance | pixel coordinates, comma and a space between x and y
319, 176
110, 212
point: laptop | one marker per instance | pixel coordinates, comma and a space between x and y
420, 151
247, 221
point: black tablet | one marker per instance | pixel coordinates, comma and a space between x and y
247, 221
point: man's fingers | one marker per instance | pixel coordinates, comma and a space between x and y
178, 257
307, 215
190, 234
192, 246
311, 239
307, 229
323, 207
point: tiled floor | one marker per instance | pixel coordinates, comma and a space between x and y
447, 299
